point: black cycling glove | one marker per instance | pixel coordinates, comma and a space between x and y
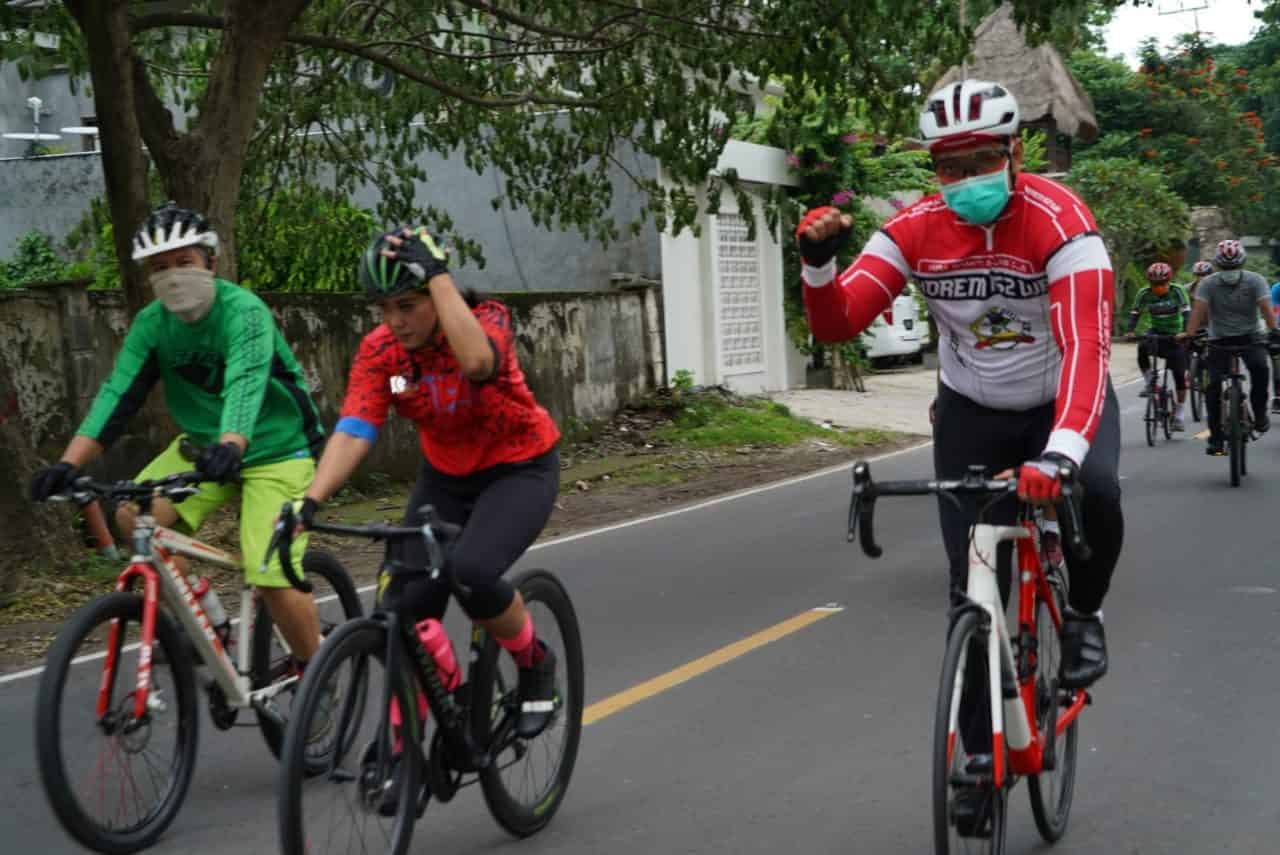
422, 256
219, 462
52, 480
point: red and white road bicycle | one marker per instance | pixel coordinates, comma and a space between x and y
116, 741
1001, 713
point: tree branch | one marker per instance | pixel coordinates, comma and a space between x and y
183, 19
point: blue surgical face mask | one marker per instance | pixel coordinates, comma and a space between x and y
980, 199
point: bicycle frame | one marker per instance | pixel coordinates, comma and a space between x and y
1011, 715
152, 564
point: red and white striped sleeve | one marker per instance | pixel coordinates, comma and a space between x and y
840, 307
1081, 294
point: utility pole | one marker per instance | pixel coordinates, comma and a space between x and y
1182, 7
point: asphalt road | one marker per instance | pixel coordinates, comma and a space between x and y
819, 741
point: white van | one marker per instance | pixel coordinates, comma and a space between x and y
900, 331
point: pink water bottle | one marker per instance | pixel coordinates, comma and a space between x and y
436, 640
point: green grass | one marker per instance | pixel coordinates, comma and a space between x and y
708, 420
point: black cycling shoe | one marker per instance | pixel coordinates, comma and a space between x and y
1261, 425
1275, 404
971, 806
1084, 651
539, 696
1215, 448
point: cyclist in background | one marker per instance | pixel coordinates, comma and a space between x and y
233, 386
1232, 301
1275, 357
1021, 286
1199, 271
446, 360
1169, 308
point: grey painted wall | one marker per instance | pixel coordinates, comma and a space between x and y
52, 194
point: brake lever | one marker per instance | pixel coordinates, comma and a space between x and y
862, 507
1071, 500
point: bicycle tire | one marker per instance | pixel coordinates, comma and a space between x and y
968, 630
1150, 419
50, 757
1197, 389
1051, 792
263, 671
360, 642
1235, 444
492, 695
1166, 412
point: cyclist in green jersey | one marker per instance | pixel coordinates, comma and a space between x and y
234, 388
1169, 308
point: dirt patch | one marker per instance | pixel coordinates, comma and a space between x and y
620, 471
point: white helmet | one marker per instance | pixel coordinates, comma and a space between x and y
170, 227
967, 111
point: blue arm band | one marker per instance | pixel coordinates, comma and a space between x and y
358, 428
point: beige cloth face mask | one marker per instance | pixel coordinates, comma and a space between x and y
188, 292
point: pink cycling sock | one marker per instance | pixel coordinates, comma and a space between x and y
523, 646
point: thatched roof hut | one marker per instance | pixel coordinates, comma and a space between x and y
1048, 96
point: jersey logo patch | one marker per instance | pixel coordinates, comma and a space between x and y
983, 286
399, 385
1000, 329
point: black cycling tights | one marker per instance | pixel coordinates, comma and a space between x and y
1255, 360
502, 509
1172, 352
966, 433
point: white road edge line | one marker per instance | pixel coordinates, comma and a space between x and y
729, 497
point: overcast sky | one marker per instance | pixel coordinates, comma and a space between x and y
1226, 21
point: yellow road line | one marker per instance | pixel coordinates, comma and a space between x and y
643, 691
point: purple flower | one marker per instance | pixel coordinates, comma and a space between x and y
849, 139
823, 166
897, 203
844, 197
792, 159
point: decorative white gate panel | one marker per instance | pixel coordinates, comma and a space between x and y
739, 310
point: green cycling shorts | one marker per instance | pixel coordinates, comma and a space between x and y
262, 490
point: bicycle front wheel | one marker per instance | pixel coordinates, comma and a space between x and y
1166, 412
1153, 410
336, 603
968, 809
526, 780
1195, 381
1236, 435
1052, 790
116, 781
366, 798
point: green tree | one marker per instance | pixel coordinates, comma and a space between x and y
1141, 219
547, 93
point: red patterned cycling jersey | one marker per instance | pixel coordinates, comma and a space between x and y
1001, 295
463, 426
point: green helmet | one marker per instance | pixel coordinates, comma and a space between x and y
383, 277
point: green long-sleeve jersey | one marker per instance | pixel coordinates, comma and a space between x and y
230, 372
1168, 311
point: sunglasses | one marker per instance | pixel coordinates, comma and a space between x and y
970, 164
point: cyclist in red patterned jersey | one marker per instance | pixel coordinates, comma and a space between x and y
1021, 287
446, 360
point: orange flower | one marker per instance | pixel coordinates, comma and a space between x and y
1240, 72
1144, 132
1221, 164
1151, 152
1193, 141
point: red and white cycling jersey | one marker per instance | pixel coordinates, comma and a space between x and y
1023, 305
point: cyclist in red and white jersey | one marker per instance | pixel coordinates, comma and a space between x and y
1021, 287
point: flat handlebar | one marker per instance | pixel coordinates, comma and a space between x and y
862, 502
175, 488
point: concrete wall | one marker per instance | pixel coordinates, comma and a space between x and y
586, 354
53, 194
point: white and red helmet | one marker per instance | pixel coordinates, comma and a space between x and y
1202, 268
968, 111
1159, 272
1230, 254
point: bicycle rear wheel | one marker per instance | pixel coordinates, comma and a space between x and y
1197, 387
336, 602
366, 799
1153, 410
527, 779
1166, 412
1052, 790
1235, 436
969, 812
116, 782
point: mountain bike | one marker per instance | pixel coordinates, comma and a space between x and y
367, 800
1238, 423
1001, 714
116, 743
1160, 402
